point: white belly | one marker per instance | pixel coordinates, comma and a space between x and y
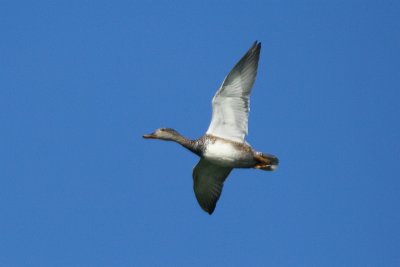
226, 154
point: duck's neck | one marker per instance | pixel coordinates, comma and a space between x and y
192, 145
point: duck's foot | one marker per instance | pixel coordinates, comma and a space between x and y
265, 167
260, 166
265, 162
261, 159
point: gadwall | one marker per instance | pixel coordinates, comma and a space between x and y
223, 147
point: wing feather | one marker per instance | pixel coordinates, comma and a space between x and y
208, 181
231, 102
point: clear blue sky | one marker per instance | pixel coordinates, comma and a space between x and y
82, 81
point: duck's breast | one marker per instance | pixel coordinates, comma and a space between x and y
228, 154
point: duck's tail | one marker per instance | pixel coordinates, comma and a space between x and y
267, 162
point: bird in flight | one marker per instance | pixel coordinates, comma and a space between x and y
223, 147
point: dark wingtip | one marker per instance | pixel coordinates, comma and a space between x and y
209, 209
256, 44
254, 49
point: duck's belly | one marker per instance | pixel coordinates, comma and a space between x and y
226, 154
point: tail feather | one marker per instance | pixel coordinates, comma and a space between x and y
268, 162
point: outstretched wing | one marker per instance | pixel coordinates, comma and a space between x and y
208, 180
230, 104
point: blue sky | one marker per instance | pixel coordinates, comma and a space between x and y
82, 81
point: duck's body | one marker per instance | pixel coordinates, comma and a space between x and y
231, 154
228, 154
223, 147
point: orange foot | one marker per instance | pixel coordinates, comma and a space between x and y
265, 167
261, 166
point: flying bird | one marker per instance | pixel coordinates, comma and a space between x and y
223, 147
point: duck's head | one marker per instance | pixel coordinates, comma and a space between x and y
167, 134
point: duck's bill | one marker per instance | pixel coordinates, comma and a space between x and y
149, 136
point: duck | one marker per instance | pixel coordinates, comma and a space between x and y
223, 147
